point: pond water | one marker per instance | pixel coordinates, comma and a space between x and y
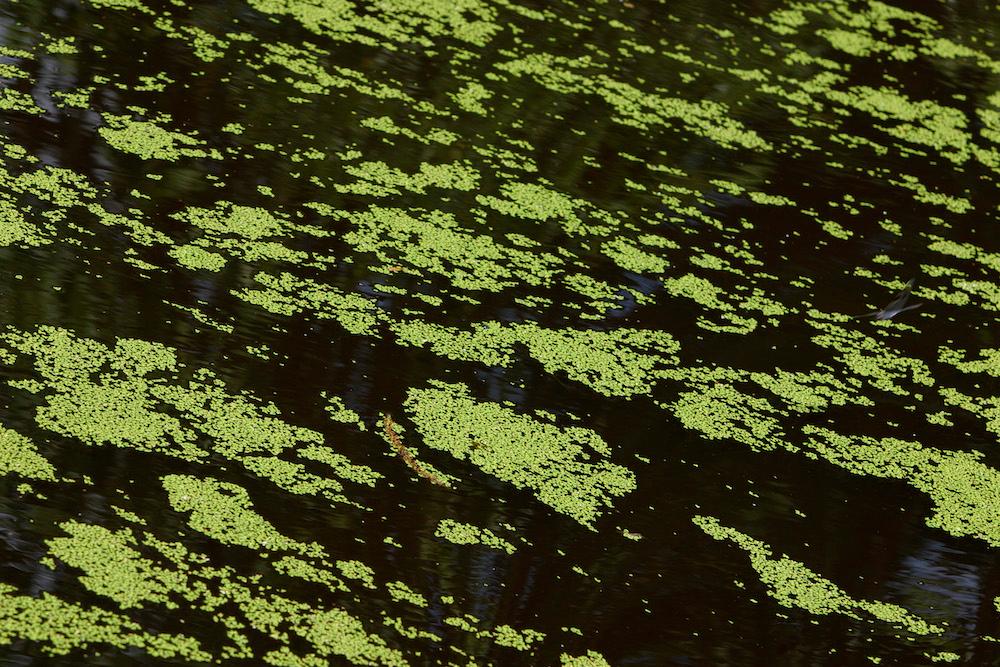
499, 332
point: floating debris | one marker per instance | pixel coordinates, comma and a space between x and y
389, 428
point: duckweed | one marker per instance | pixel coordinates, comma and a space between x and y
791, 584
465, 533
530, 227
552, 462
224, 512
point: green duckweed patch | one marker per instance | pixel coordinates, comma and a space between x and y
60, 627
551, 239
465, 533
20, 456
225, 512
588, 659
565, 468
791, 584
150, 141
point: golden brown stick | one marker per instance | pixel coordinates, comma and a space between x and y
404, 453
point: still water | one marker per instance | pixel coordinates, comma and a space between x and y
499, 332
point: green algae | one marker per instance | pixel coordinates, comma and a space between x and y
465, 533
552, 462
792, 584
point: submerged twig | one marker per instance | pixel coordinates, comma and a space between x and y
408, 458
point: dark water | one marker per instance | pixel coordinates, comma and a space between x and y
655, 126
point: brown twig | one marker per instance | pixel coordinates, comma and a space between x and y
408, 458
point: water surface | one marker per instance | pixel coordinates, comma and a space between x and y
498, 333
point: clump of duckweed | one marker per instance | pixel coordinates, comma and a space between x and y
15, 100
792, 584
19, 455
621, 362
380, 180
867, 358
434, 242
113, 567
296, 567
565, 468
944, 656
965, 491
151, 141
60, 627
340, 465
466, 533
358, 571
471, 21
723, 412
588, 659
193, 257
399, 591
285, 294
503, 635
339, 412
122, 396
521, 640
250, 233
293, 477
224, 512
635, 107
988, 362
329, 632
